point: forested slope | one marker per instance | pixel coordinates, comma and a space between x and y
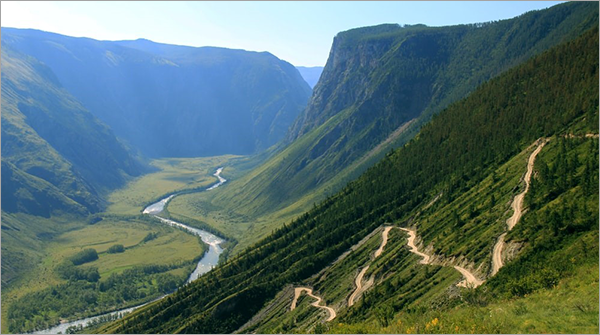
379, 86
551, 95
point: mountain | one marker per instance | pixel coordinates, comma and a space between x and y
454, 182
379, 86
310, 74
174, 101
58, 162
56, 156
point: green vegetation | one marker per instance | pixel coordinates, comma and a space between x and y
382, 84
81, 297
552, 286
67, 270
119, 248
150, 237
174, 175
126, 246
84, 256
553, 94
566, 308
155, 260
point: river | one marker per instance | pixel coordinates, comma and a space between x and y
210, 259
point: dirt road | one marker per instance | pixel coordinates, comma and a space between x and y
497, 254
412, 236
384, 239
517, 206
309, 292
470, 279
358, 284
358, 280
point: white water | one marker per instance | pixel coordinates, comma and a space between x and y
209, 261
221, 179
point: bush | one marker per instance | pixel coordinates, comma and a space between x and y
115, 249
84, 256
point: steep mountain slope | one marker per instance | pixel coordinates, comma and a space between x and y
172, 100
58, 161
56, 156
310, 74
475, 142
379, 86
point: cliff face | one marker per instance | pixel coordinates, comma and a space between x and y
344, 81
380, 84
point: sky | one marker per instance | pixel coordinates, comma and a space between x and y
300, 32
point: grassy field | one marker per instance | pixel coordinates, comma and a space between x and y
173, 175
171, 245
62, 237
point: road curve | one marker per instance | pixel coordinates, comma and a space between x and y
517, 206
309, 292
497, 254
359, 287
412, 236
358, 280
470, 279
384, 240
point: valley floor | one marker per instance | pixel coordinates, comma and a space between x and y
25, 301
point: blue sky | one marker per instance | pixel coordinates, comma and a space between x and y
298, 32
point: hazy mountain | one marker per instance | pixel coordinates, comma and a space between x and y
310, 74
454, 182
171, 100
56, 156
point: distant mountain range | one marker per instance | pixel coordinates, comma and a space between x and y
62, 97
310, 74
175, 101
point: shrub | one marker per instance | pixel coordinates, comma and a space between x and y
115, 249
84, 256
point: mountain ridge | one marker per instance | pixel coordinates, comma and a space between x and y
250, 94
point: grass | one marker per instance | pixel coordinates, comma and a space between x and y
173, 175
570, 307
424, 298
469, 224
60, 237
170, 246
397, 275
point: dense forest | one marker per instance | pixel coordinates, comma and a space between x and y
553, 94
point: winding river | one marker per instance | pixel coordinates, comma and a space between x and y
210, 259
